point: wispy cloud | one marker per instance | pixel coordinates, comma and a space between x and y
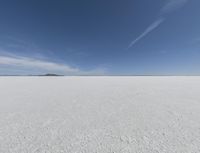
195, 41
97, 71
153, 26
29, 65
10, 44
173, 5
169, 7
21, 57
24, 62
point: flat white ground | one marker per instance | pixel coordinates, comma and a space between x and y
99, 114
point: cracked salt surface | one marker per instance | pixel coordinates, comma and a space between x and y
99, 114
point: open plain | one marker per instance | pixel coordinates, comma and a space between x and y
140, 114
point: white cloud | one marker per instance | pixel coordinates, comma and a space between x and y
195, 41
24, 62
169, 7
29, 65
173, 5
152, 27
97, 71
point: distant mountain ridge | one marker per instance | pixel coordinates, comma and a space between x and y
51, 74
48, 74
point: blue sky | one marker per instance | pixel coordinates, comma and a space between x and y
100, 37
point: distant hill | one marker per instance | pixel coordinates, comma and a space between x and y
51, 74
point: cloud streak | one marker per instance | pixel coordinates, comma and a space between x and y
24, 62
153, 26
169, 7
34, 66
173, 5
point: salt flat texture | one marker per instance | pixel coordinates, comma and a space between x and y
99, 114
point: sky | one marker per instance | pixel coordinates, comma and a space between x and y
100, 37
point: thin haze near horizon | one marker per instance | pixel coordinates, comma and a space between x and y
100, 37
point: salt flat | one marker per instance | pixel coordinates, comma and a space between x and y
99, 114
